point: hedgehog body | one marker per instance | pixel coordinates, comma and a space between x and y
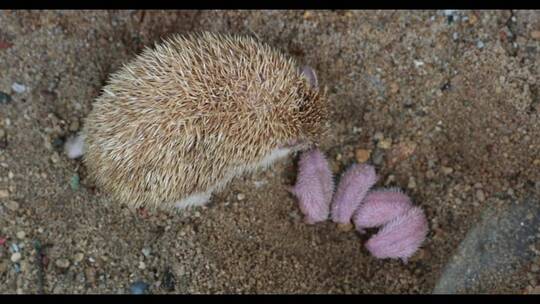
184, 118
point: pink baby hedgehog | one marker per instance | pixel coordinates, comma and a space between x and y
401, 237
380, 207
314, 186
353, 187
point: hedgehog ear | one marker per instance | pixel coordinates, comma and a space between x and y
310, 75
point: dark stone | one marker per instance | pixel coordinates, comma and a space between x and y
168, 280
4, 98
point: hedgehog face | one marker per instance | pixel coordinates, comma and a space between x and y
292, 124
303, 120
310, 110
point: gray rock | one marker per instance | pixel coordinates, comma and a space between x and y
498, 247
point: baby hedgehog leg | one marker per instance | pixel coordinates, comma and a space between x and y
74, 147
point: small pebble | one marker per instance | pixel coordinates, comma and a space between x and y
241, 196
345, 227
4, 193
391, 178
146, 252
473, 19
74, 183
78, 257
90, 274
362, 155
21, 235
139, 287
4, 98
394, 88
378, 136
401, 152
447, 170
412, 183
385, 143
18, 88
16, 257
142, 265
378, 157
294, 215
535, 35
480, 195
55, 158
480, 44
62, 263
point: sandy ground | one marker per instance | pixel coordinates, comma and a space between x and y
447, 104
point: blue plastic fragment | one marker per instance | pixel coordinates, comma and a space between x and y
139, 287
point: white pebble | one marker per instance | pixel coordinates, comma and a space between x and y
480, 44
142, 265
18, 88
418, 63
16, 257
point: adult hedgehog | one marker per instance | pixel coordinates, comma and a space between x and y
181, 120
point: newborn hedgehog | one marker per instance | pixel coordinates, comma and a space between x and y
181, 120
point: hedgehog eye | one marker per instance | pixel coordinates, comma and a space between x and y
303, 106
